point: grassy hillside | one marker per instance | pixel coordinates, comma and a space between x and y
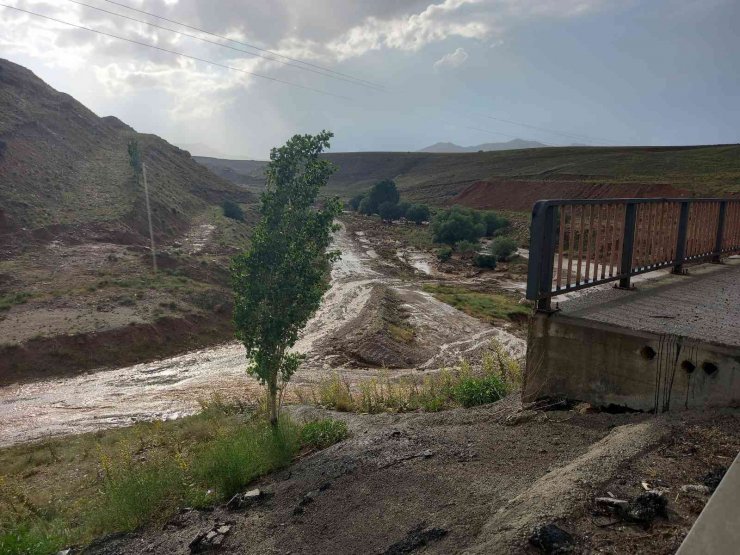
437, 178
61, 165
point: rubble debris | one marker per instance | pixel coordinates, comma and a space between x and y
307, 499
247, 499
612, 503
714, 477
210, 539
551, 539
699, 489
645, 507
416, 538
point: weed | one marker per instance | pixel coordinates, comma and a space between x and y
323, 433
10, 300
471, 392
488, 307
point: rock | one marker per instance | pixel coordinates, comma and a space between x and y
696, 489
426, 454
520, 417
645, 507
244, 500
714, 477
416, 538
551, 539
210, 539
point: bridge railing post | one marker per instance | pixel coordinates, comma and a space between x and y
541, 254
683, 226
628, 244
717, 254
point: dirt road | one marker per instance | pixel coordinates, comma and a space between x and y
171, 387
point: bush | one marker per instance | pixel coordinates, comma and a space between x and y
354, 202
403, 208
474, 391
418, 213
458, 224
444, 253
389, 211
323, 433
467, 248
232, 210
503, 247
365, 207
494, 222
485, 261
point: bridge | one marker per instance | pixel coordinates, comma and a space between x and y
638, 303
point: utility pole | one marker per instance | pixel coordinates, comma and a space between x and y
149, 216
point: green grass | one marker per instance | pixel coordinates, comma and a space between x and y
64, 492
462, 385
488, 307
12, 299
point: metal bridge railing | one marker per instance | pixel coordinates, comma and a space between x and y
580, 243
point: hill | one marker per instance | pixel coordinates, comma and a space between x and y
63, 168
77, 289
542, 172
513, 144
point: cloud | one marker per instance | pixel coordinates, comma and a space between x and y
451, 60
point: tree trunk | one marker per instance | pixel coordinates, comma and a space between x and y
272, 401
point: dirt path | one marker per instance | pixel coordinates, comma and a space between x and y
171, 387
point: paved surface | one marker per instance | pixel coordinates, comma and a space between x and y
703, 305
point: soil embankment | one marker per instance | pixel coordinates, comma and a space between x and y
467, 481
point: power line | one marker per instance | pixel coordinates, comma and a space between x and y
181, 33
562, 133
240, 42
217, 64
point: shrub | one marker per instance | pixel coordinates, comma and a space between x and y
474, 391
354, 202
503, 247
494, 222
389, 211
232, 210
403, 208
418, 213
485, 261
458, 224
365, 207
444, 253
323, 433
467, 248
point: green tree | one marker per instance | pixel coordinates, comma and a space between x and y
389, 211
458, 224
383, 191
418, 213
403, 208
503, 247
232, 210
278, 284
494, 222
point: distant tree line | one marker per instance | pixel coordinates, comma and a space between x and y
458, 229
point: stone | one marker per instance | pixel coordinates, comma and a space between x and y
552, 540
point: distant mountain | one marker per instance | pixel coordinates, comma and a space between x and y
203, 150
514, 144
65, 169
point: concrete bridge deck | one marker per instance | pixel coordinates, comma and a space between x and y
673, 342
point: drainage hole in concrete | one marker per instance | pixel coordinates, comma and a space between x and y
709, 367
647, 352
688, 366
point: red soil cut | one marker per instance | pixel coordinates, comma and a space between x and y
521, 195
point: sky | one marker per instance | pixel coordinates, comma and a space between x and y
395, 75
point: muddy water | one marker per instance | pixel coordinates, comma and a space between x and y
172, 387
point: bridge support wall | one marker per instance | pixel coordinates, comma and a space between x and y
604, 364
